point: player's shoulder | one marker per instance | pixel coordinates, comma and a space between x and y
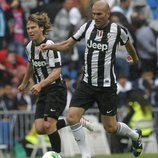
87, 24
49, 41
28, 45
118, 26
50, 52
114, 24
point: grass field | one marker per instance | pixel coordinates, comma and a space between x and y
122, 156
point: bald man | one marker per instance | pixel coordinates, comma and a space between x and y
99, 81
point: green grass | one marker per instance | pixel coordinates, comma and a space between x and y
121, 156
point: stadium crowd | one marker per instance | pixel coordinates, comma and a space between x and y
140, 17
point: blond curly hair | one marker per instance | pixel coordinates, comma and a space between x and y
42, 19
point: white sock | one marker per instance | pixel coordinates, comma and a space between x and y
124, 130
79, 136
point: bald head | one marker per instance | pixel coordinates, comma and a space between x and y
101, 13
102, 3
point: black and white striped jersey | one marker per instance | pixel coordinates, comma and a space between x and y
43, 62
101, 47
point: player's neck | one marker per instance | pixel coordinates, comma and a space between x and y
104, 25
39, 41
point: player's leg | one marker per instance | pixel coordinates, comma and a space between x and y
81, 101
84, 122
108, 109
113, 127
87, 124
61, 123
52, 132
48, 126
39, 126
39, 121
56, 103
54, 107
74, 115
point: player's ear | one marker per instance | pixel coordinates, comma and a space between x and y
42, 28
108, 14
107, 10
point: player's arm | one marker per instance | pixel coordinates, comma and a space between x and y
133, 58
54, 75
61, 46
27, 76
125, 40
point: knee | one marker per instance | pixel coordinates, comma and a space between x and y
40, 130
110, 129
49, 127
46, 125
71, 119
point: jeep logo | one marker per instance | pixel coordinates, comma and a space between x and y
98, 46
39, 63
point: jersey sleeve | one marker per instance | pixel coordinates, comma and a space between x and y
124, 36
80, 33
54, 57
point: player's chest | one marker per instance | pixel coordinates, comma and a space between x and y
38, 55
100, 40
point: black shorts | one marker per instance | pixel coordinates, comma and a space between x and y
86, 95
51, 102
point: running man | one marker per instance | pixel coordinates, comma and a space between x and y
99, 80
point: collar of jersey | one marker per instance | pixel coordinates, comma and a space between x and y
44, 41
103, 27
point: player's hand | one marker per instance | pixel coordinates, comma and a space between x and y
36, 89
130, 60
44, 47
22, 87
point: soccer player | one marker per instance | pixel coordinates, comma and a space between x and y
99, 81
46, 71
45, 68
